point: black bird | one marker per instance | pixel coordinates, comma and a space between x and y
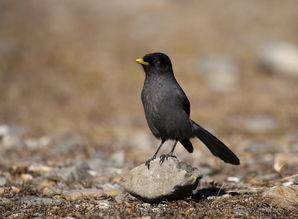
167, 111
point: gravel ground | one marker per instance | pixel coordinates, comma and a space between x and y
72, 124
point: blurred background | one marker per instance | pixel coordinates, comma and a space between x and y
68, 72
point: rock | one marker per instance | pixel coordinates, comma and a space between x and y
10, 135
289, 180
173, 179
39, 168
51, 191
278, 57
260, 123
34, 143
119, 198
233, 179
283, 161
77, 172
220, 72
36, 201
83, 194
284, 196
118, 159
103, 204
240, 211
26, 177
3, 180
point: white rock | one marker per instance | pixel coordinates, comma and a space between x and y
279, 57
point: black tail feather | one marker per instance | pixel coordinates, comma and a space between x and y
217, 148
187, 145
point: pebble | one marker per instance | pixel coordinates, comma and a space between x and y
10, 135
3, 180
279, 58
260, 123
77, 172
120, 198
36, 201
83, 194
233, 179
118, 159
103, 204
39, 168
26, 177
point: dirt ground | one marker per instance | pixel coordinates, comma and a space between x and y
70, 92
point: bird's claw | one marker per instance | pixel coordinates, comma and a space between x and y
147, 163
164, 157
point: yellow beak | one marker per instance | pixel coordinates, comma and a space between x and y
142, 62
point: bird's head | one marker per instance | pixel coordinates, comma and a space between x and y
156, 63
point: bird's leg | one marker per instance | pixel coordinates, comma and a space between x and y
166, 156
147, 163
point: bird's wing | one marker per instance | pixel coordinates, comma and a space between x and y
182, 100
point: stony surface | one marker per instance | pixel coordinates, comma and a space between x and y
284, 196
173, 179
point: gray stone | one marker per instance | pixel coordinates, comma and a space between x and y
36, 201
77, 172
118, 159
119, 198
284, 196
173, 179
10, 135
103, 204
278, 57
260, 123
3, 180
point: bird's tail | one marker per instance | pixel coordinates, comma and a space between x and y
216, 147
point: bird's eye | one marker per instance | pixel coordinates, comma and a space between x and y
156, 62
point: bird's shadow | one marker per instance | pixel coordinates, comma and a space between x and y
201, 194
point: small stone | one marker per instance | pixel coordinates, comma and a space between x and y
120, 198
3, 180
51, 191
2, 190
284, 196
34, 143
173, 179
26, 177
260, 123
240, 211
103, 204
113, 192
284, 160
77, 172
15, 189
279, 58
37, 201
233, 179
39, 168
45, 183
10, 135
118, 159
83, 194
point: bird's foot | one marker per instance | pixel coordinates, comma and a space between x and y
164, 157
147, 163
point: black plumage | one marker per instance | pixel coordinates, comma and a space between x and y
167, 110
